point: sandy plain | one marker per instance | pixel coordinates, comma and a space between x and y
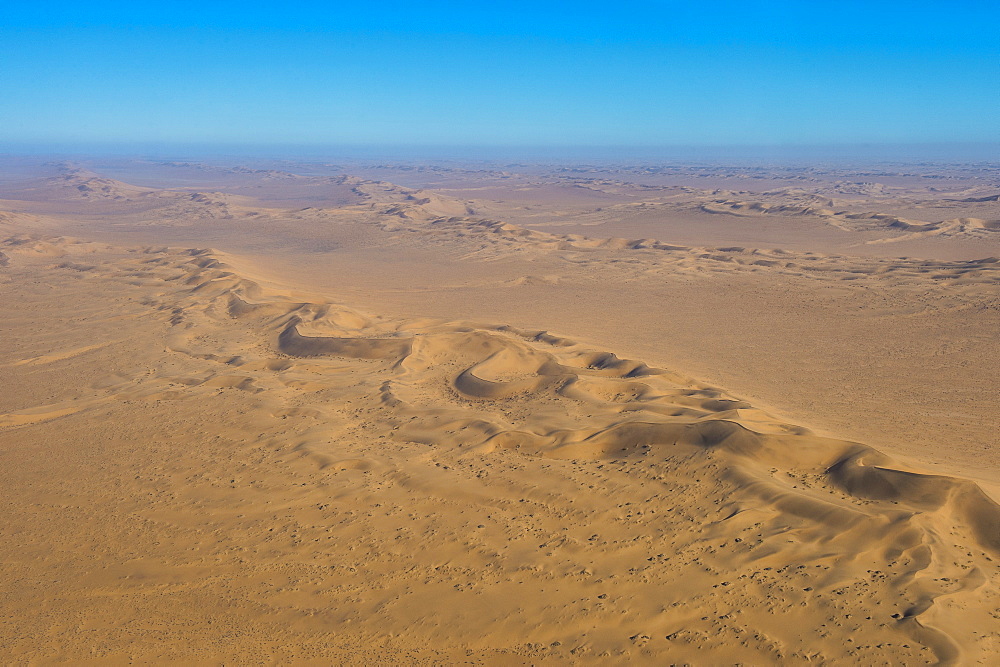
499, 413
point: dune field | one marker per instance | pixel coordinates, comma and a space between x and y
499, 413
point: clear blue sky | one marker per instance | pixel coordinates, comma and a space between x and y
500, 73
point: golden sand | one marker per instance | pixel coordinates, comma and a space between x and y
389, 424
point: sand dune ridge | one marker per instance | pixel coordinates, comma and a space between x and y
471, 391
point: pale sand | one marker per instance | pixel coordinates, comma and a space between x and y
207, 457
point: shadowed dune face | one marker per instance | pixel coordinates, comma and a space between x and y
291, 342
289, 467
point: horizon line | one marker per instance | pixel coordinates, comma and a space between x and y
988, 151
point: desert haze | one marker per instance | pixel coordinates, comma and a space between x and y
489, 412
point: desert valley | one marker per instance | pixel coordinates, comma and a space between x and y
368, 411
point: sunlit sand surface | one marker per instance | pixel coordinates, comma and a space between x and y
499, 415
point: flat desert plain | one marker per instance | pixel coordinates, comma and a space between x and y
442, 412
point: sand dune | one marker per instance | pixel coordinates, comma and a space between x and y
316, 468
859, 221
84, 184
208, 457
504, 236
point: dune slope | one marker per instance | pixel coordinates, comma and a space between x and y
201, 466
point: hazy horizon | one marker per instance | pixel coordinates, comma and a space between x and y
775, 153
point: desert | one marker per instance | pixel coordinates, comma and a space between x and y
452, 411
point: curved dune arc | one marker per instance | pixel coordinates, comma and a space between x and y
919, 490
292, 343
515, 369
240, 307
582, 388
470, 384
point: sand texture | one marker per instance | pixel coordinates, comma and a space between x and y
251, 415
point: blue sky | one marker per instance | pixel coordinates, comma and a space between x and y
500, 73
